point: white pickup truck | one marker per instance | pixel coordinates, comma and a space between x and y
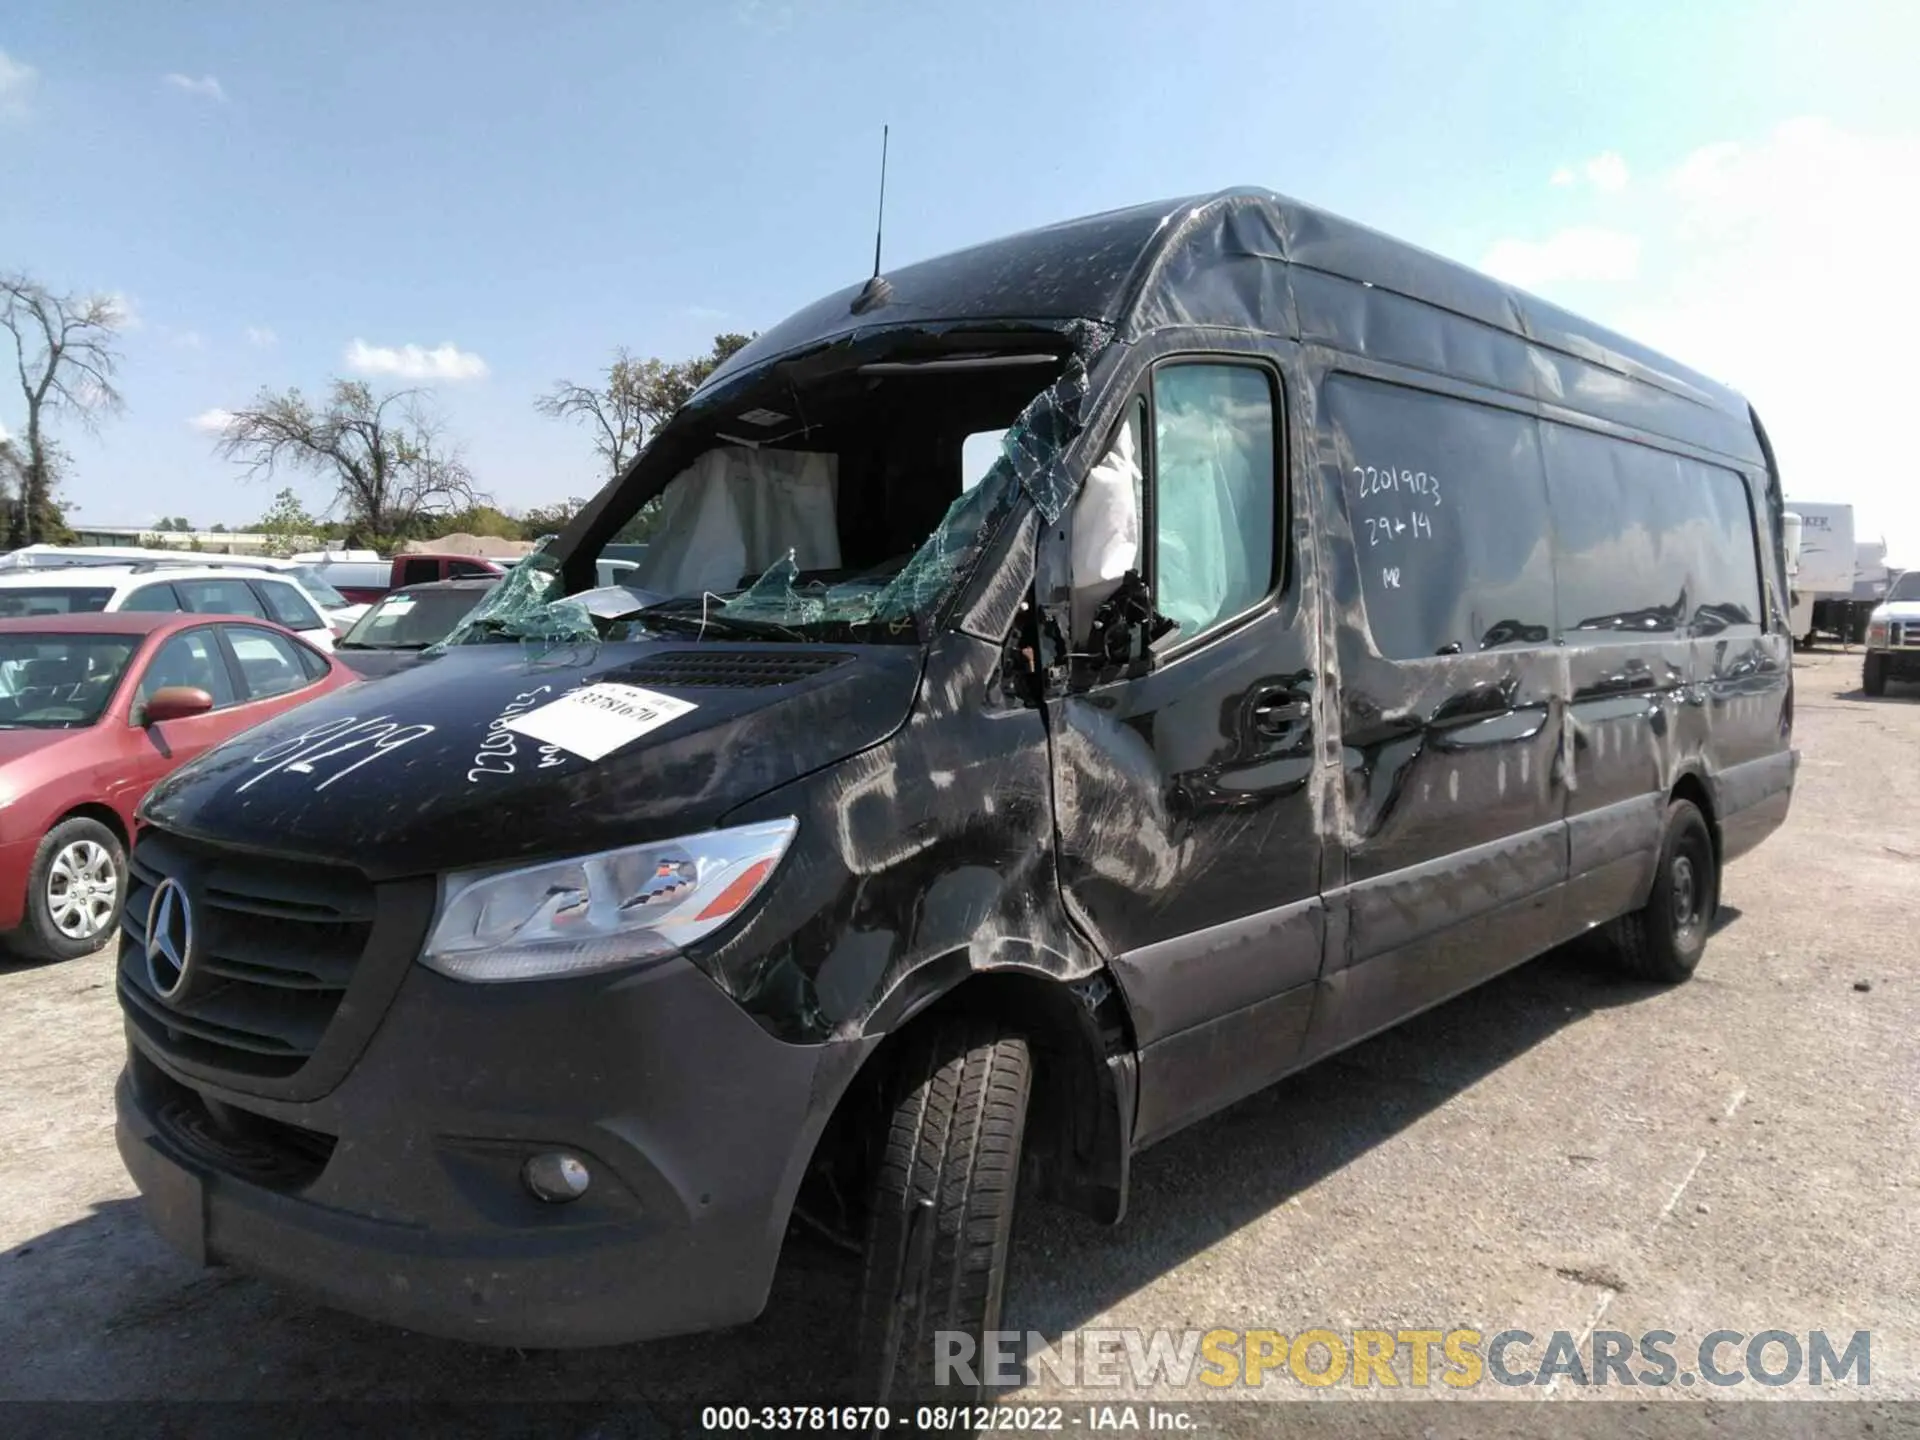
1893, 636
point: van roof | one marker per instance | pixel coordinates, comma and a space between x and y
1250, 259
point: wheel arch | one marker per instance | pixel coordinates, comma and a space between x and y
1080, 1124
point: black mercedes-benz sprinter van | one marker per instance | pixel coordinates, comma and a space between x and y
1069, 685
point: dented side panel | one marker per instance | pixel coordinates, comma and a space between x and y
930, 857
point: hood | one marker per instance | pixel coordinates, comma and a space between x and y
423, 771
1896, 610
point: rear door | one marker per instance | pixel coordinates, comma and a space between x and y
271, 671
1188, 847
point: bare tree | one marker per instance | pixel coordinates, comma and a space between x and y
64, 356
636, 398
385, 455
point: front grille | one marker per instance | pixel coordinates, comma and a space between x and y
274, 947
1904, 633
734, 669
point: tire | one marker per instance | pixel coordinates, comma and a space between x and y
75, 891
1664, 939
1873, 675
940, 1220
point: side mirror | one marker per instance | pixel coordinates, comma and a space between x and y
176, 702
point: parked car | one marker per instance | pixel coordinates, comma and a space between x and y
399, 626
340, 611
93, 709
364, 581
164, 588
1893, 636
1337, 628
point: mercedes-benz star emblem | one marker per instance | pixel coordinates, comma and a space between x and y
169, 940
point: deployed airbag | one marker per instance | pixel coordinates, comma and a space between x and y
734, 512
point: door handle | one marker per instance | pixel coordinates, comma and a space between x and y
1280, 713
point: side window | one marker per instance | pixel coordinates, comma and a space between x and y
457, 568
153, 599
1448, 504
192, 658
418, 572
269, 663
220, 597
1647, 543
286, 605
311, 661
1213, 492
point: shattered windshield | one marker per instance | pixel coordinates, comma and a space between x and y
848, 515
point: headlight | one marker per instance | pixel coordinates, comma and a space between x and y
1876, 634
598, 911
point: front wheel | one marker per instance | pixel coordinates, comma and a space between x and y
1664, 939
941, 1219
74, 891
1873, 675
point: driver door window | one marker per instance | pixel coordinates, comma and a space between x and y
191, 659
1213, 493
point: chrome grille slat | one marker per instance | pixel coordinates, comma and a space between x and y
275, 947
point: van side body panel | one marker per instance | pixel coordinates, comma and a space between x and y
1474, 809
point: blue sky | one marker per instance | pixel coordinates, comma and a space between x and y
287, 193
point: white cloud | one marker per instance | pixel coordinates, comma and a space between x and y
1607, 172
213, 421
1580, 253
17, 79
261, 336
1563, 176
445, 361
190, 340
1782, 265
206, 87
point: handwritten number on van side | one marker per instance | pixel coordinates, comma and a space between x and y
1411, 483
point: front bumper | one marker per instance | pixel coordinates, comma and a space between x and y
397, 1196
1899, 662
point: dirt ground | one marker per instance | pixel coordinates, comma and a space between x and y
1559, 1150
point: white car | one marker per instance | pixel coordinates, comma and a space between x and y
1893, 636
340, 610
167, 587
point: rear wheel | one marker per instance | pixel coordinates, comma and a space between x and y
1664, 939
941, 1219
1873, 675
74, 891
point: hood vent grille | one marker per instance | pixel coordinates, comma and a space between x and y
727, 669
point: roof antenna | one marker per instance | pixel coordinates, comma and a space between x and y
876, 292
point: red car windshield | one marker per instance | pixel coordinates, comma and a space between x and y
60, 682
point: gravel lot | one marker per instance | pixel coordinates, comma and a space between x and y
1557, 1150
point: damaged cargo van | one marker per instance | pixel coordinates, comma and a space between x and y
1070, 684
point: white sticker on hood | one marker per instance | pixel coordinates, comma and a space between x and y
596, 720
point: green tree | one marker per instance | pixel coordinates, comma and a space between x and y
635, 398
543, 520
287, 526
392, 470
480, 520
64, 360
216, 529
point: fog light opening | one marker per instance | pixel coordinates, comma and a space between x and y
556, 1177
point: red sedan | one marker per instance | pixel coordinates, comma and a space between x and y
94, 709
